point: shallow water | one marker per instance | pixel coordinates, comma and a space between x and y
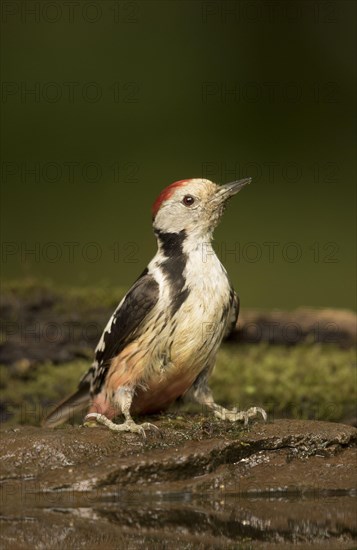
186, 520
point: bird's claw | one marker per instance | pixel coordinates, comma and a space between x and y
127, 426
235, 416
148, 426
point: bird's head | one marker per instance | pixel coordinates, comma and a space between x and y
194, 205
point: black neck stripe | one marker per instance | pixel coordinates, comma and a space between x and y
174, 266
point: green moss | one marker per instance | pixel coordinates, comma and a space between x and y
310, 381
27, 397
305, 381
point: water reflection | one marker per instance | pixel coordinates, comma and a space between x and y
189, 521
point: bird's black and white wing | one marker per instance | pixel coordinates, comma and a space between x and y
125, 325
234, 314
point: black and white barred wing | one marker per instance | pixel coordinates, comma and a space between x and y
125, 325
234, 313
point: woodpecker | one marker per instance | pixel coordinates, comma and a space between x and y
162, 340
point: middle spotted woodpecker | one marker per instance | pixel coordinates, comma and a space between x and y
162, 340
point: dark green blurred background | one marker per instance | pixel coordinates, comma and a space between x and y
105, 103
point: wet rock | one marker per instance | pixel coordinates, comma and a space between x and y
185, 451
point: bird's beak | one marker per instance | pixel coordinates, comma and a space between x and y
227, 190
230, 189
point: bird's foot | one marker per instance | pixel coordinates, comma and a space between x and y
235, 416
128, 426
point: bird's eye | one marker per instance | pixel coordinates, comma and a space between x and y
188, 200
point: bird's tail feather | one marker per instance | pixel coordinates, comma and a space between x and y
76, 402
